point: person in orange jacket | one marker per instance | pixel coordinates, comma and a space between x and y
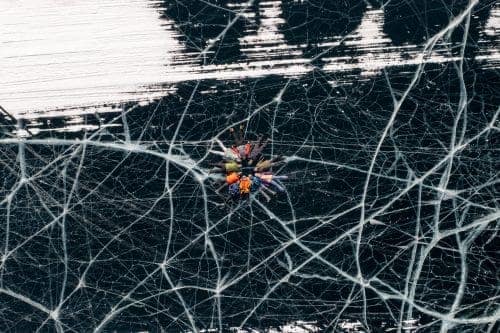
232, 178
245, 185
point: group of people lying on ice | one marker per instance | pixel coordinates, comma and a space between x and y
245, 168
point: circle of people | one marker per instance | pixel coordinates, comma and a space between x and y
245, 170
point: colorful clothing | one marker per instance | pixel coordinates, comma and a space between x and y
256, 183
245, 185
236, 151
230, 155
263, 165
257, 149
232, 178
248, 148
234, 189
241, 151
265, 177
231, 167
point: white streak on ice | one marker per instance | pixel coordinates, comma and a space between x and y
65, 53
60, 58
492, 27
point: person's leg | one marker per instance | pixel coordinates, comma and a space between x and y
242, 133
255, 153
268, 198
221, 145
235, 137
216, 170
268, 190
238, 141
263, 144
216, 152
261, 148
259, 141
277, 185
277, 159
221, 187
238, 136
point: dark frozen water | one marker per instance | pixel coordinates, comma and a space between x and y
387, 114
